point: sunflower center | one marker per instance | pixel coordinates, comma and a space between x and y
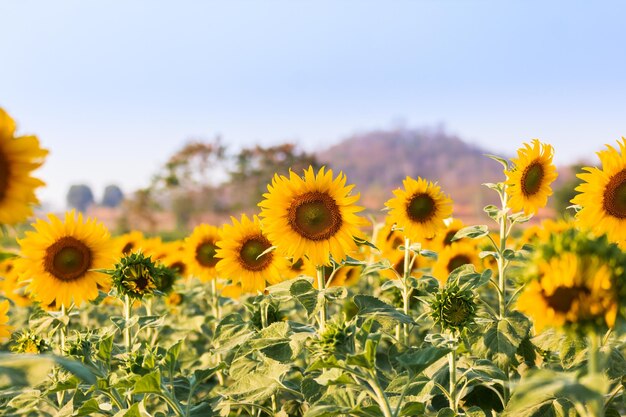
205, 254
315, 216
447, 240
562, 298
531, 178
128, 248
457, 261
67, 259
298, 265
457, 312
615, 195
4, 175
421, 208
179, 267
250, 251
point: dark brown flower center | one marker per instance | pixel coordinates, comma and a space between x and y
127, 249
532, 178
614, 201
298, 265
421, 208
67, 259
250, 251
562, 298
205, 254
179, 267
447, 240
4, 175
457, 261
315, 216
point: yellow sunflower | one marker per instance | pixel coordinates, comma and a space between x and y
444, 238
200, 252
314, 216
11, 286
58, 259
388, 241
454, 256
5, 330
419, 209
19, 156
239, 251
129, 242
569, 290
344, 276
175, 258
603, 195
529, 180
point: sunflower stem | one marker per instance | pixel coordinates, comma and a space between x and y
321, 283
406, 273
63, 327
594, 369
127, 309
453, 378
502, 310
215, 303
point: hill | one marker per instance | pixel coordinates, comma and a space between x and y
378, 161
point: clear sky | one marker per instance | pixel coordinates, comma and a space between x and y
114, 87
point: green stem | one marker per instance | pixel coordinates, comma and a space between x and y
321, 283
215, 303
63, 328
382, 399
406, 291
127, 310
594, 368
453, 380
502, 264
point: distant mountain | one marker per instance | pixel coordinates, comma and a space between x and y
378, 161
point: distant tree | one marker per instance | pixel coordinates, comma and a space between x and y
80, 197
113, 196
255, 167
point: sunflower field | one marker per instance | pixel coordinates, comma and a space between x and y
311, 309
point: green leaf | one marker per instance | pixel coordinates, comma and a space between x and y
416, 360
475, 412
326, 410
149, 384
363, 242
492, 211
311, 390
471, 232
24, 370
105, 348
232, 332
372, 306
446, 412
502, 161
502, 338
306, 295
88, 408
150, 322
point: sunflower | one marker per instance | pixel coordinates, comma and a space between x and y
444, 238
58, 259
570, 289
314, 216
10, 284
388, 242
129, 242
19, 156
529, 181
5, 330
419, 209
455, 256
175, 258
603, 195
200, 252
239, 251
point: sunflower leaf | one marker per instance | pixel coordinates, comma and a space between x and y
471, 232
502, 161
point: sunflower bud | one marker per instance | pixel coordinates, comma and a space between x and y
135, 275
453, 309
26, 341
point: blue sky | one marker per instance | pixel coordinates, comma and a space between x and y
114, 87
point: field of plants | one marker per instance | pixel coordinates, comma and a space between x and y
312, 309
